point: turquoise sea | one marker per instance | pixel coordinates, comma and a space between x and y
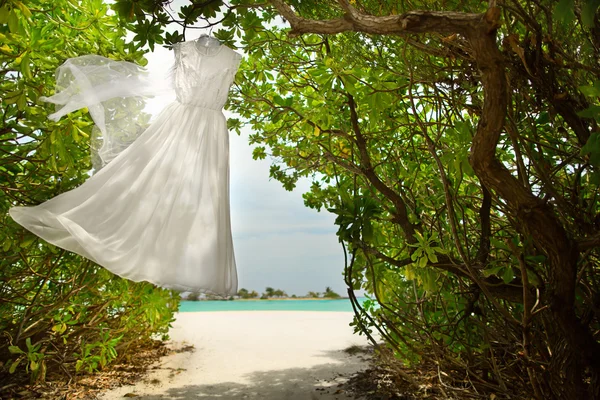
267, 305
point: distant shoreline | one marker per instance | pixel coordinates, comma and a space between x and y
271, 299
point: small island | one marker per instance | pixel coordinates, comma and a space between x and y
269, 294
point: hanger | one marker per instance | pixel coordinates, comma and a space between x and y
208, 39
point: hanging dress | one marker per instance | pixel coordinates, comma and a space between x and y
158, 211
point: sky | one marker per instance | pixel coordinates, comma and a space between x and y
278, 241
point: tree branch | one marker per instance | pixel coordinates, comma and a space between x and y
369, 172
445, 22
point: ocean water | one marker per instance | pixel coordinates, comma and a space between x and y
268, 305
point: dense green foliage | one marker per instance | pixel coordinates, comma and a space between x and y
58, 311
461, 156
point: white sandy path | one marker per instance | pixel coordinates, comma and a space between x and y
266, 355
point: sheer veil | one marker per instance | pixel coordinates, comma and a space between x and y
115, 93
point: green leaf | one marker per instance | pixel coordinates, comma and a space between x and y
432, 257
409, 272
429, 279
507, 275
416, 254
13, 22
592, 111
14, 365
543, 119
12, 97
125, 9
21, 102
15, 350
4, 13
492, 271
26, 12
258, 153
564, 11
59, 328
26, 242
25, 69
592, 147
588, 12
592, 91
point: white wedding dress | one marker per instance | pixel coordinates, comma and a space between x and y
159, 211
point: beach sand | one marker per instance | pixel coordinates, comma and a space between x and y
267, 355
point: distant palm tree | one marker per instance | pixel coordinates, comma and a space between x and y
330, 294
270, 292
313, 294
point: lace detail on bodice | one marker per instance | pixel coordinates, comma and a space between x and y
203, 75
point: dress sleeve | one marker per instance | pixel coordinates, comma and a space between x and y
234, 64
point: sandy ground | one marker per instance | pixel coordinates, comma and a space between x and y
266, 355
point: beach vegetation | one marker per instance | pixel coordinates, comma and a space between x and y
270, 292
245, 294
330, 294
60, 314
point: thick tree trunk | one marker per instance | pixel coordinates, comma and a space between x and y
538, 221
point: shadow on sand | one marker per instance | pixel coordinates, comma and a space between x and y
321, 382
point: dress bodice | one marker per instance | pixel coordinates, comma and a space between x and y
203, 74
